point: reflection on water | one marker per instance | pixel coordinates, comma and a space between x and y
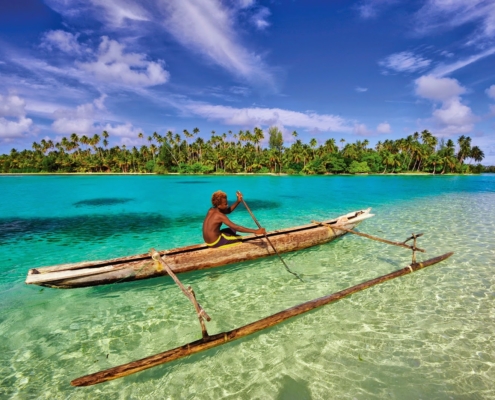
99, 202
92, 226
82, 227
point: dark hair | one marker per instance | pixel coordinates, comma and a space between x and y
217, 198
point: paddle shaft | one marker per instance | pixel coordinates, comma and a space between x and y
269, 241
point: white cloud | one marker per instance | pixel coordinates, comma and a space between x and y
445, 69
99, 102
115, 13
361, 89
118, 12
114, 65
452, 117
250, 117
362, 130
80, 120
448, 14
371, 8
12, 106
440, 89
210, 29
384, 127
456, 114
447, 54
246, 3
240, 90
405, 61
491, 92
126, 130
67, 125
10, 129
13, 121
259, 18
62, 40
41, 107
85, 120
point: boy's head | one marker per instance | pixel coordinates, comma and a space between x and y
219, 198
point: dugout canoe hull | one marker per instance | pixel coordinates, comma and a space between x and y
185, 259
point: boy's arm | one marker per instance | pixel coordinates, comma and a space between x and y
239, 228
233, 206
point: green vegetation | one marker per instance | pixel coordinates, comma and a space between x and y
241, 152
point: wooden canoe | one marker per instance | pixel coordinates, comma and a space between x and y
190, 258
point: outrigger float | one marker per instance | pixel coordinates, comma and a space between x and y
191, 258
336, 227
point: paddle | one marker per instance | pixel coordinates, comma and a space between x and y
268, 240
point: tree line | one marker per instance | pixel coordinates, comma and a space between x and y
242, 152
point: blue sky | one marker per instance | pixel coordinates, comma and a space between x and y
367, 69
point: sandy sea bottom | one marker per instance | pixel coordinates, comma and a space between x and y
423, 336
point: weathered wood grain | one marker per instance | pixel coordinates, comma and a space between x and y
190, 258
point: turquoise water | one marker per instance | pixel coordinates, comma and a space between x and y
423, 336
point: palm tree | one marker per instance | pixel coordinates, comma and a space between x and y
464, 148
434, 159
391, 160
476, 154
331, 146
313, 144
258, 137
449, 161
153, 150
84, 140
274, 157
74, 138
36, 146
350, 151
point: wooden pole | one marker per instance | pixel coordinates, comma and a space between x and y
269, 241
188, 292
400, 244
224, 337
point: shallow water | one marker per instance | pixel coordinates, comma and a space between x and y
426, 335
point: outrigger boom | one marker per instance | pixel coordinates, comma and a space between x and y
208, 342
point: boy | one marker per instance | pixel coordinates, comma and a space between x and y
213, 236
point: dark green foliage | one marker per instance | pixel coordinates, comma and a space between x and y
275, 141
149, 166
359, 168
242, 152
374, 161
336, 165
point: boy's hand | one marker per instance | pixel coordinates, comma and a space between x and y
239, 196
261, 231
